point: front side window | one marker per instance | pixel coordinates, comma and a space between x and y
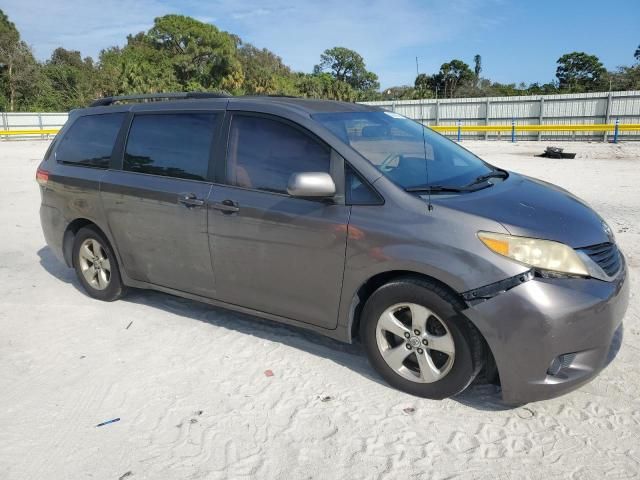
90, 140
264, 153
173, 145
408, 153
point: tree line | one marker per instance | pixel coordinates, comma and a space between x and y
180, 53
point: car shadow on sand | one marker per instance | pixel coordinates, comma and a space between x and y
480, 395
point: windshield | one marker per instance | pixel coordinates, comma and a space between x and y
395, 145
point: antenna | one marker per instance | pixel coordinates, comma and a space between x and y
426, 167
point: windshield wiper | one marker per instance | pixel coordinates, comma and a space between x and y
497, 173
440, 188
479, 183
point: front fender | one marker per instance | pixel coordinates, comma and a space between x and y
442, 245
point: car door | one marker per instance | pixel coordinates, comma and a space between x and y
156, 203
272, 252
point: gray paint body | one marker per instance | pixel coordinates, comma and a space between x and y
303, 261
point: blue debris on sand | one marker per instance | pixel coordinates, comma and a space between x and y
108, 422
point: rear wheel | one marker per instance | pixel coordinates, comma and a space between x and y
417, 340
96, 265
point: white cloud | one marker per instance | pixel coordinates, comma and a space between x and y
381, 30
87, 26
245, 14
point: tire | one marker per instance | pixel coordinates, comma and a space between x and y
96, 265
424, 372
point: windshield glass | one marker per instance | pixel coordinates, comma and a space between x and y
394, 145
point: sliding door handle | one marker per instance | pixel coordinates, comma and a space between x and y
190, 200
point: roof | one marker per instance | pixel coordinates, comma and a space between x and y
307, 105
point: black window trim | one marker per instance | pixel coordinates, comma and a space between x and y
117, 159
58, 139
336, 166
365, 182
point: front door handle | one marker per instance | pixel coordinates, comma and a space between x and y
190, 200
226, 206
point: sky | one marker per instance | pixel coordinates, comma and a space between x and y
519, 41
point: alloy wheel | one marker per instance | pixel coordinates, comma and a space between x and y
94, 264
415, 343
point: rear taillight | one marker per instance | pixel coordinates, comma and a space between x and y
42, 176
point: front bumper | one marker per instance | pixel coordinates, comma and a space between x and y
530, 325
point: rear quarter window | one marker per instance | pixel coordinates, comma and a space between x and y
90, 140
173, 145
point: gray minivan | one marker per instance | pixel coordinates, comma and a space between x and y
344, 219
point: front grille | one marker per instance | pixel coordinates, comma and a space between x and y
606, 255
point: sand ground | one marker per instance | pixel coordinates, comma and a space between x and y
188, 381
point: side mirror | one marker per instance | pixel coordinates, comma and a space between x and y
311, 184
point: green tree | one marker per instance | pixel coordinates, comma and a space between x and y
202, 56
477, 67
636, 54
72, 79
139, 67
580, 72
264, 72
324, 85
177, 53
19, 73
347, 66
422, 82
544, 89
403, 92
625, 78
452, 74
425, 85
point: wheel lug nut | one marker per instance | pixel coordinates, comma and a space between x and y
417, 332
407, 334
420, 351
408, 346
424, 342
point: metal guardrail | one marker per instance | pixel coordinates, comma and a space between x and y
513, 128
616, 128
629, 127
49, 131
14, 124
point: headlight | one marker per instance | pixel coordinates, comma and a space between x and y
543, 254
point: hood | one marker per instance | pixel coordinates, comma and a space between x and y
533, 208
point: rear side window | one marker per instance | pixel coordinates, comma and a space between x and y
263, 153
90, 140
173, 145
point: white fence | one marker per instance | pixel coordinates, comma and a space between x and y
568, 109
12, 121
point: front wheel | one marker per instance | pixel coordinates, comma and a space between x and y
417, 341
96, 265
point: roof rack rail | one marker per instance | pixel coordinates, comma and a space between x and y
103, 102
274, 95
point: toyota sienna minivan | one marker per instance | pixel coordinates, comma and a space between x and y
345, 219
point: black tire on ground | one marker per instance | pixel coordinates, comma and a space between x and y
114, 289
469, 354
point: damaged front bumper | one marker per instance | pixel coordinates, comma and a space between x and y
548, 335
